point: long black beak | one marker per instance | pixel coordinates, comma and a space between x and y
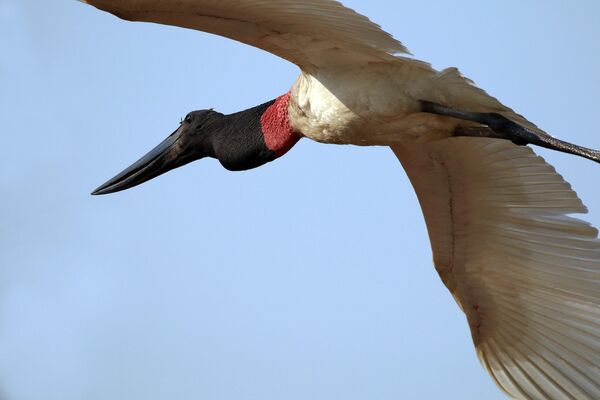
169, 154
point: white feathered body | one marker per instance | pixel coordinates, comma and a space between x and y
375, 104
379, 103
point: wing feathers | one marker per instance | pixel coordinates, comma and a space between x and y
526, 274
310, 33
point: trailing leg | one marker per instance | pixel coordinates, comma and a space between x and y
500, 127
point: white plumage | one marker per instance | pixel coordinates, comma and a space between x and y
525, 272
303, 32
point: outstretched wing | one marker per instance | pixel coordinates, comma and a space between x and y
310, 33
525, 273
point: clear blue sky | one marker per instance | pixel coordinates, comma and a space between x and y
309, 278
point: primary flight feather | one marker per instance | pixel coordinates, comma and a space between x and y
525, 273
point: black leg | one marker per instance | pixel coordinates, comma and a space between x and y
500, 127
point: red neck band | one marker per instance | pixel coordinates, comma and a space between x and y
277, 130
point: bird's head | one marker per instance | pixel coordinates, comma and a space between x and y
240, 141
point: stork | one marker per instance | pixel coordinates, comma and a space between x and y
525, 273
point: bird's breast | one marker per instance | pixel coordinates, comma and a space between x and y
369, 106
315, 112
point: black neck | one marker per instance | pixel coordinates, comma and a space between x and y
238, 141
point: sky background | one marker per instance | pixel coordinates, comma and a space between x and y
308, 278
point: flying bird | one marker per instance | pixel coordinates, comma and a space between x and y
524, 271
